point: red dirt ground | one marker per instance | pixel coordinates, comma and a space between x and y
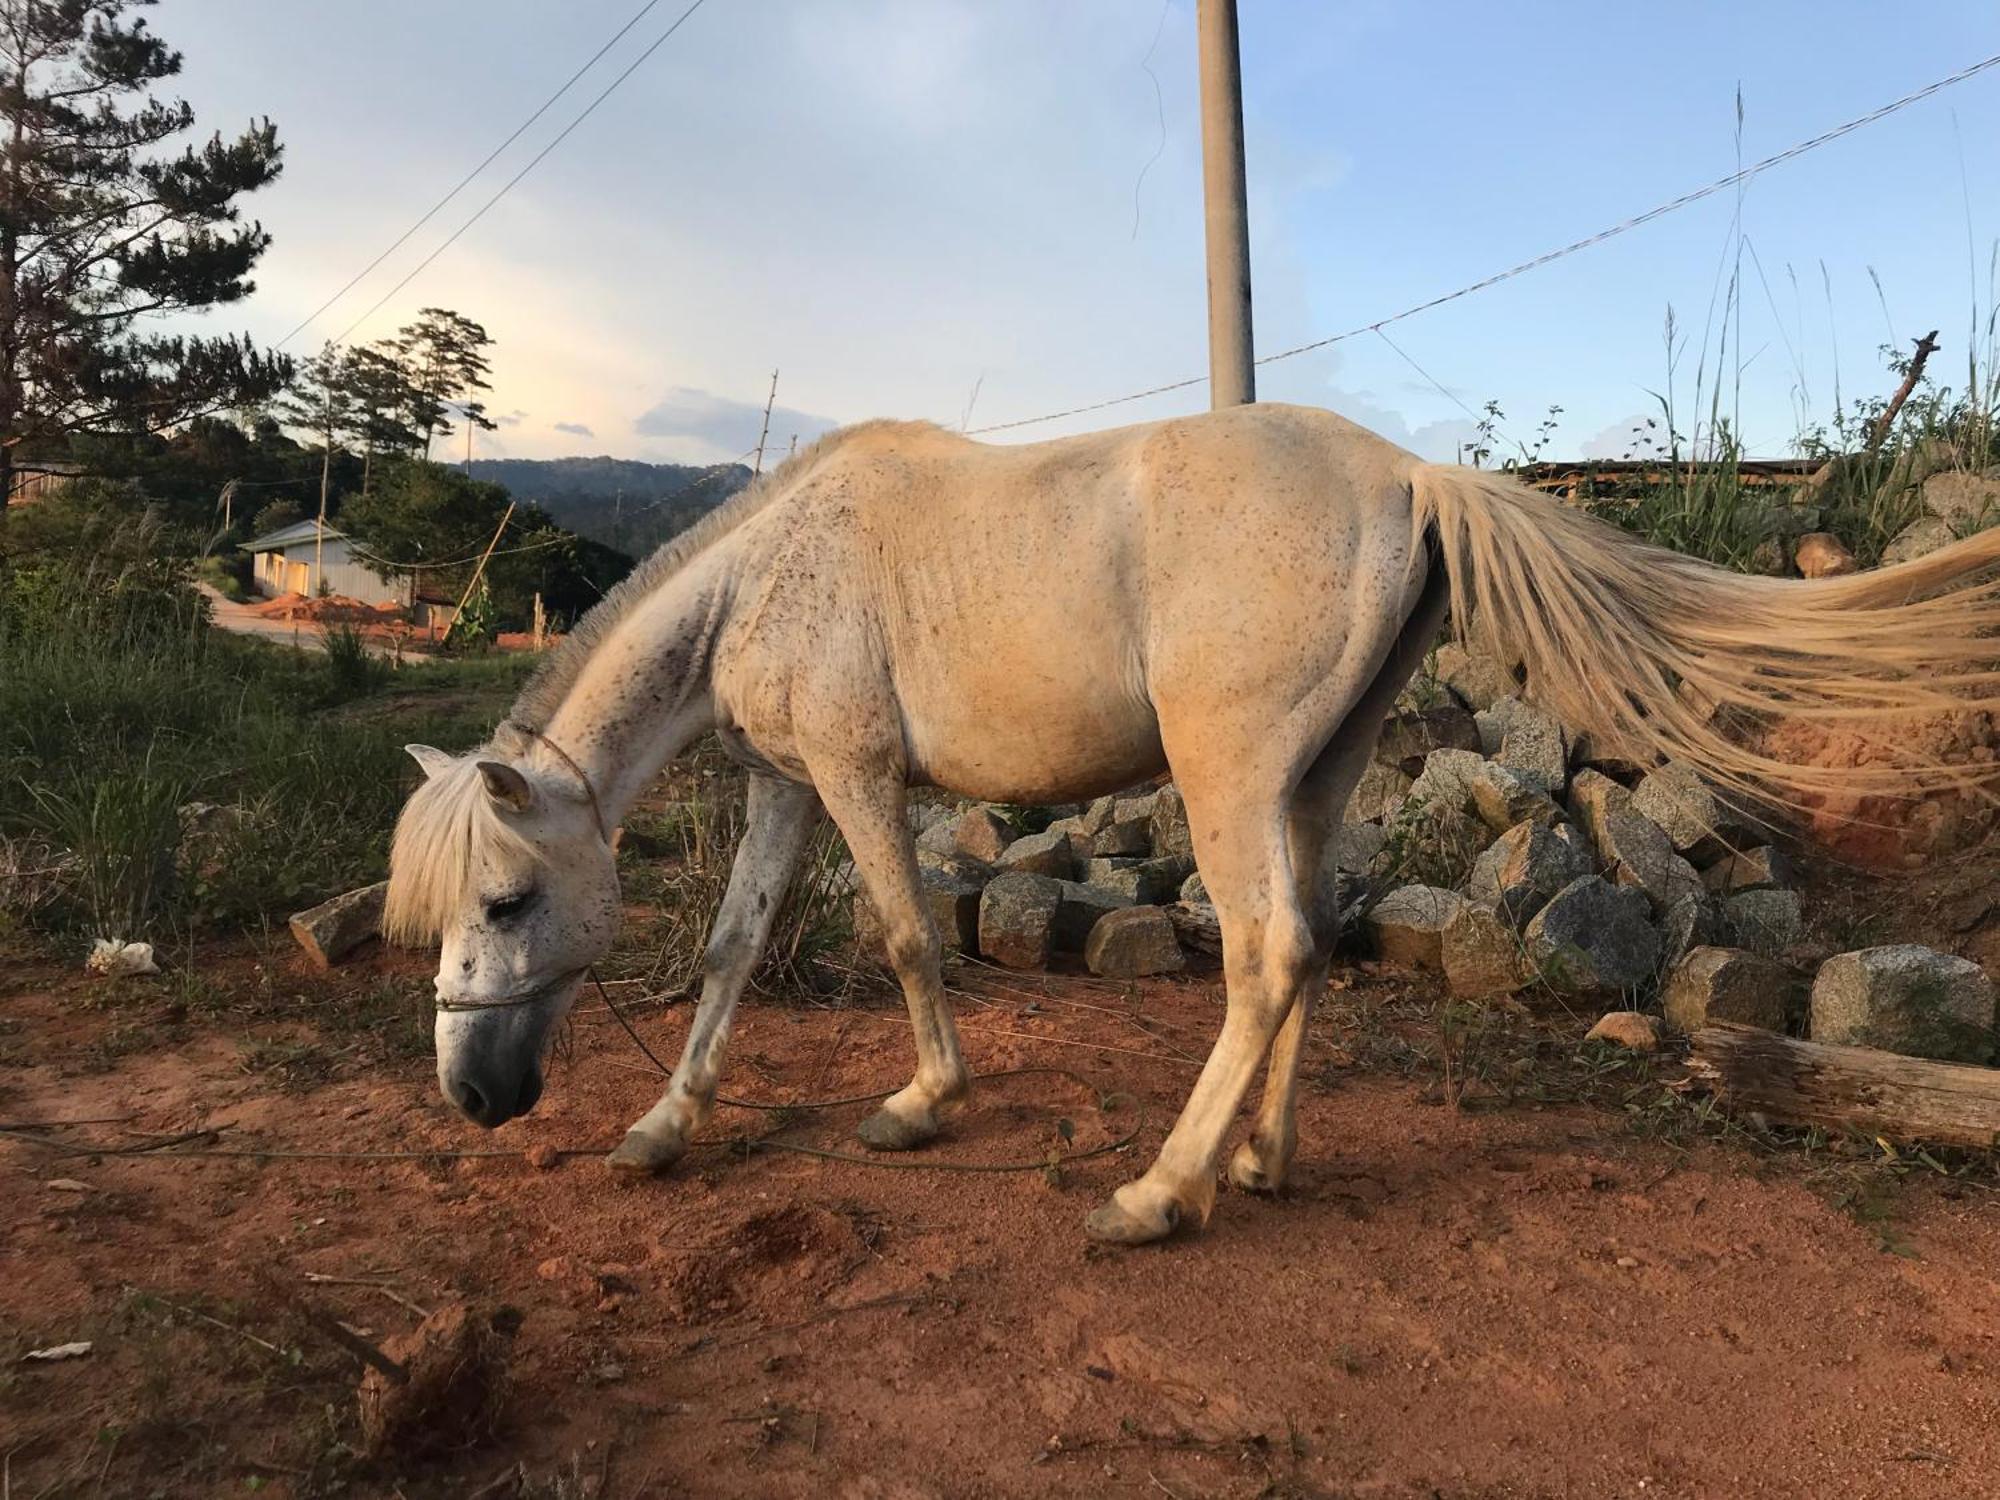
1522, 1300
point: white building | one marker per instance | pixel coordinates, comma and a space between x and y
282, 563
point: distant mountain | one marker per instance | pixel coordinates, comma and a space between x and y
620, 502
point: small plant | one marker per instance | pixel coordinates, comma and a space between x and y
352, 671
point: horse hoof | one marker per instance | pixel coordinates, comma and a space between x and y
887, 1131
1249, 1173
644, 1155
1112, 1223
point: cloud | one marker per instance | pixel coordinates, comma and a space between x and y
1441, 442
1621, 439
575, 429
703, 425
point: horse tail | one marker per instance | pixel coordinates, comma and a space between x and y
1658, 655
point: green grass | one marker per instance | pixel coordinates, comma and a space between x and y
181, 778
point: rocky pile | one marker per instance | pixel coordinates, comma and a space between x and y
1094, 882
1487, 844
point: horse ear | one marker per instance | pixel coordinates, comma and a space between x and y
434, 761
506, 786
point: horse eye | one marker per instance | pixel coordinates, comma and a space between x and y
508, 906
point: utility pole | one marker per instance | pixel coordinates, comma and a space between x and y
1232, 376
319, 527
769, 402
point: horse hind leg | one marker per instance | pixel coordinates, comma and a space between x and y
1263, 1160
1268, 952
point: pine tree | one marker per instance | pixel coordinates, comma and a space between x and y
380, 389
443, 354
99, 229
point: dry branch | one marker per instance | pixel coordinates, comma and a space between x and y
1849, 1088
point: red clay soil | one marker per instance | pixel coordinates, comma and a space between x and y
1895, 833
1520, 1301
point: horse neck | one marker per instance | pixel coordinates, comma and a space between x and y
644, 693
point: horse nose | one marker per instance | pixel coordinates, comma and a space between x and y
475, 1103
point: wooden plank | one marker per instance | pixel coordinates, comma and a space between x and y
1849, 1088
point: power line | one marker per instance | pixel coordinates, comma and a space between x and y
1684, 200
466, 181
533, 162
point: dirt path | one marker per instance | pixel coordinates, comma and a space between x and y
1520, 1300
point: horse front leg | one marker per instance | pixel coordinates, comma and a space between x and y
778, 825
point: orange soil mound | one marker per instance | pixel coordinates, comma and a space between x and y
328, 609
1894, 833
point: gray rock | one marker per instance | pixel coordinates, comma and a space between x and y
1129, 831
1194, 892
1378, 794
1695, 818
1355, 847
1150, 882
1071, 828
1445, 783
1045, 853
1691, 922
1407, 738
1766, 922
958, 866
1905, 998
1760, 869
1477, 678
1481, 955
1526, 740
951, 895
1524, 868
1017, 918
1132, 943
1594, 937
1964, 502
1082, 906
333, 929
1407, 925
1504, 798
1593, 797
1171, 834
1727, 984
940, 837
1918, 539
982, 834
1640, 855
1095, 818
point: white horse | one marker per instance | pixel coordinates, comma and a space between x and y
1237, 597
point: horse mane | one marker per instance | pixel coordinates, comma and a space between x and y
447, 818
450, 817
552, 681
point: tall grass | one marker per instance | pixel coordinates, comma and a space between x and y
183, 777
1697, 497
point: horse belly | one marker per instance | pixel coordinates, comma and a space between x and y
1034, 752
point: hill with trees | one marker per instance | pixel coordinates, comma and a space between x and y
621, 502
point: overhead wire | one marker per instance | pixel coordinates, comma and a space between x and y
467, 180
533, 162
1672, 205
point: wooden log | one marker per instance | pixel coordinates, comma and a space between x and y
1197, 928
1849, 1088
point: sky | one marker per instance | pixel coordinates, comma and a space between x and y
977, 211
